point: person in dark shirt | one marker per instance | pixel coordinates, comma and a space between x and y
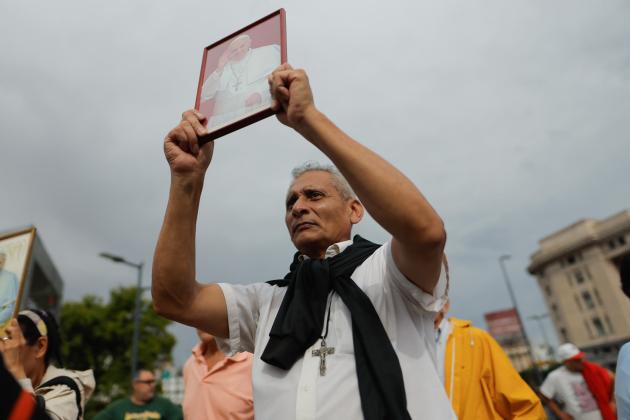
143, 403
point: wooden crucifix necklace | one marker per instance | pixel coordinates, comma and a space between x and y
324, 351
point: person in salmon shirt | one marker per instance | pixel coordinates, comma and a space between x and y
217, 386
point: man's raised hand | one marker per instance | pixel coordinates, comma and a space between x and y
181, 146
292, 96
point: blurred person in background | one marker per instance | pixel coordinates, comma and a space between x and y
217, 386
143, 403
622, 376
479, 378
579, 389
30, 345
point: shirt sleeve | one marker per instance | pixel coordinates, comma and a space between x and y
243, 308
548, 388
431, 302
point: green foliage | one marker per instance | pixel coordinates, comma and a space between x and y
97, 335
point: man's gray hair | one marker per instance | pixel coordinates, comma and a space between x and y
338, 180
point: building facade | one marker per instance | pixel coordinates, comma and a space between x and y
577, 272
505, 327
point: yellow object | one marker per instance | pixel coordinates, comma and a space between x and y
481, 382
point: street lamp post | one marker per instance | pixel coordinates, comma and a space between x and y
538, 319
502, 260
136, 310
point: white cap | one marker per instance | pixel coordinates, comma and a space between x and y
568, 351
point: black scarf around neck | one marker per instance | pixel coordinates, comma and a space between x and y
300, 320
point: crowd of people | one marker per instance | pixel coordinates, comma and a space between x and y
353, 330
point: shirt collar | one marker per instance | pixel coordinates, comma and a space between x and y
237, 357
333, 250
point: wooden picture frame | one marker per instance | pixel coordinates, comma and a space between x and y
15, 255
233, 91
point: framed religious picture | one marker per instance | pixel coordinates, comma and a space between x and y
15, 255
233, 91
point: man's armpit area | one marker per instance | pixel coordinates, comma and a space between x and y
431, 302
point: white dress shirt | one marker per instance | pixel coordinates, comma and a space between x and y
441, 337
407, 315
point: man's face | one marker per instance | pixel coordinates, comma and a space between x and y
317, 215
573, 365
238, 49
144, 386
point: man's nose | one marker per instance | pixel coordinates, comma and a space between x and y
299, 207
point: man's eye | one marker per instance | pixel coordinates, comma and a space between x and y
315, 195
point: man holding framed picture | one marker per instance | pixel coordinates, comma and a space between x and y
348, 333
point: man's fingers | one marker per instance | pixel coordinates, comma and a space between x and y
275, 105
282, 93
196, 122
191, 137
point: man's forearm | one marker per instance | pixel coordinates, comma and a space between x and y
555, 408
388, 195
174, 283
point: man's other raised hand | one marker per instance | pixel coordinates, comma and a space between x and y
291, 94
181, 146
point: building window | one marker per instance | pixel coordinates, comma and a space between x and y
588, 328
588, 273
609, 324
577, 302
579, 277
571, 259
548, 290
599, 327
563, 333
621, 241
612, 245
598, 298
588, 300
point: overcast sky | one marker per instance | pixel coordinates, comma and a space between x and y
511, 117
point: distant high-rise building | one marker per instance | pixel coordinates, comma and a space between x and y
577, 271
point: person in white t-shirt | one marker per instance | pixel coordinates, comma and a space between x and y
567, 392
313, 333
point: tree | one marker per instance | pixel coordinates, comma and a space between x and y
97, 335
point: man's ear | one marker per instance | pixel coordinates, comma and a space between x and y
42, 347
356, 211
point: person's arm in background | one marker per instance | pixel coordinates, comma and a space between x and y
555, 408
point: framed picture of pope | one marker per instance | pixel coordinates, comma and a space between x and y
15, 254
233, 91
